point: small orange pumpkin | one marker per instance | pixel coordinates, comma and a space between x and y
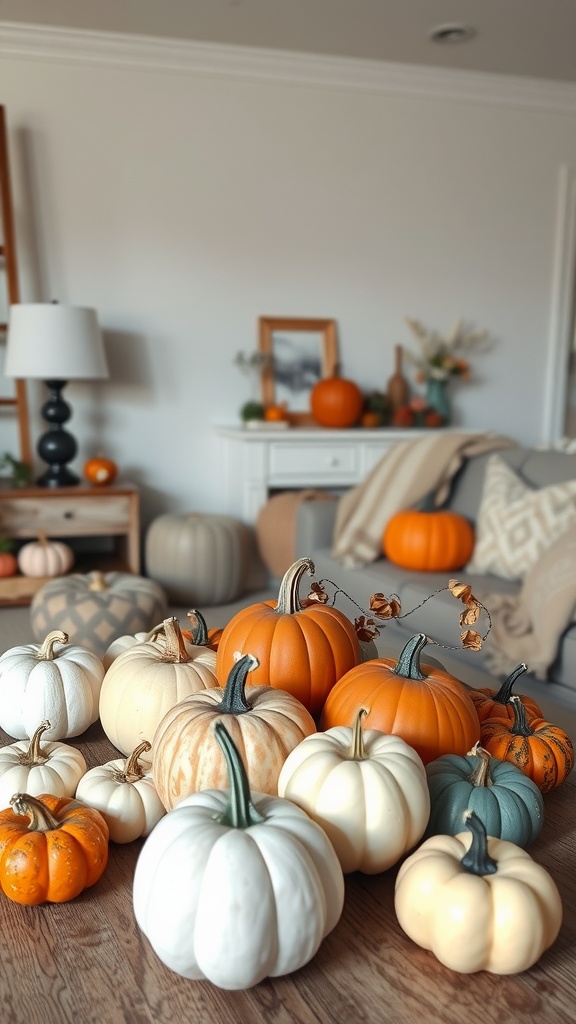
199, 634
100, 471
303, 649
544, 752
336, 402
8, 563
428, 540
51, 848
496, 703
424, 704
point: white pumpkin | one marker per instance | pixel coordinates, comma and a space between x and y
235, 887
35, 768
53, 681
478, 903
367, 790
123, 643
123, 791
147, 680
43, 557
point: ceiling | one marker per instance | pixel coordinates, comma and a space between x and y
536, 38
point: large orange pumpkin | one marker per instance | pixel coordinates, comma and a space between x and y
491, 703
544, 752
424, 704
429, 541
301, 649
336, 402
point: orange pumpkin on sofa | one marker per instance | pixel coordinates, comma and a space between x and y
428, 540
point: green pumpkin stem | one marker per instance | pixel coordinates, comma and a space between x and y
239, 811
519, 726
480, 776
289, 592
357, 749
408, 664
234, 699
477, 860
41, 817
199, 627
505, 691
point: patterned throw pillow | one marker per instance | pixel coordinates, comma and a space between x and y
516, 523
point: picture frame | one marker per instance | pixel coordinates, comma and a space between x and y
299, 352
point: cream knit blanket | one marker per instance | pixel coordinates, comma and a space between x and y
404, 475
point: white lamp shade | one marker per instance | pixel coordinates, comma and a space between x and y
49, 341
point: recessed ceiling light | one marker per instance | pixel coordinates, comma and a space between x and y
453, 33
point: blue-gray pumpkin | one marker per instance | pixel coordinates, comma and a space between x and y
508, 803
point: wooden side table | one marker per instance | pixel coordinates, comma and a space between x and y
67, 513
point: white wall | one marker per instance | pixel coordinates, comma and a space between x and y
185, 196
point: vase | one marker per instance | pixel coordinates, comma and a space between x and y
437, 398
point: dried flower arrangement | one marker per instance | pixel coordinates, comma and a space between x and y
438, 359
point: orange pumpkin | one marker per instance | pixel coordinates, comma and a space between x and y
100, 471
51, 848
496, 703
301, 649
275, 413
8, 564
336, 402
429, 541
543, 751
424, 704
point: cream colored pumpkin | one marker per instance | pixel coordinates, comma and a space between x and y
367, 790
43, 557
35, 768
54, 681
197, 558
122, 643
124, 793
148, 679
265, 724
478, 903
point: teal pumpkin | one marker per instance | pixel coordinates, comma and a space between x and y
508, 803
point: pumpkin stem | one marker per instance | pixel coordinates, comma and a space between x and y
480, 776
97, 582
133, 770
46, 652
175, 649
199, 627
408, 664
234, 700
35, 755
357, 748
41, 817
505, 691
520, 726
288, 594
477, 860
239, 811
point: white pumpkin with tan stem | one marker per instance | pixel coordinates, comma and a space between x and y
34, 767
478, 903
367, 790
123, 791
43, 557
148, 679
54, 681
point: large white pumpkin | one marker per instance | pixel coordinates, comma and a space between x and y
54, 681
198, 559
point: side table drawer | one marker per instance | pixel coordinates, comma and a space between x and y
322, 461
65, 517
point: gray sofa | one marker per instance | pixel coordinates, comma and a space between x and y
438, 618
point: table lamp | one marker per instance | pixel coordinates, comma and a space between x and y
55, 343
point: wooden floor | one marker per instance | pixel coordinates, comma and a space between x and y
85, 962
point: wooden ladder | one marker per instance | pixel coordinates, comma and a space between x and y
19, 401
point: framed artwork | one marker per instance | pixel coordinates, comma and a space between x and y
299, 353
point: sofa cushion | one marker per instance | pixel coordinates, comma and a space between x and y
516, 523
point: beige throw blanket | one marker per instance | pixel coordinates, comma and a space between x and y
528, 626
404, 475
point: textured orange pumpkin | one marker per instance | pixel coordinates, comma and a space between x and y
51, 848
439, 541
425, 705
543, 751
100, 471
497, 704
336, 402
301, 649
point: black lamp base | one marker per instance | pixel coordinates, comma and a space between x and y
57, 446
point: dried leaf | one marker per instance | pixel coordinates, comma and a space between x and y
471, 640
461, 591
385, 608
317, 595
366, 629
471, 615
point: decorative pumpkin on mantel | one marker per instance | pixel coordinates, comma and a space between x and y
44, 557
303, 649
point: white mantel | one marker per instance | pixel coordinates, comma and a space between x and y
257, 462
